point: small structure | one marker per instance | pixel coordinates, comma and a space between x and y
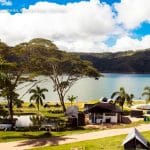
134, 141
143, 106
72, 114
137, 113
103, 113
103, 99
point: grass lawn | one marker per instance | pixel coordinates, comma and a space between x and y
109, 143
20, 135
25, 135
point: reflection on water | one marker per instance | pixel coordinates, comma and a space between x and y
36, 120
88, 88
29, 120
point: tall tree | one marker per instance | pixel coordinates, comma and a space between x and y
64, 69
147, 93
120, 97
38, 96
8, 83
11, 72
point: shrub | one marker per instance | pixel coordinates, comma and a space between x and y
31, 105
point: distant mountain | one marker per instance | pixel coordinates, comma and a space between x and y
120, 62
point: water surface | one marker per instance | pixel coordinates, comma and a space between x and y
90, 89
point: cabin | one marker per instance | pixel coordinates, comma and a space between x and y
102, 113
134, 141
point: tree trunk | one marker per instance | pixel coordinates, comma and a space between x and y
122, 107
62, 103
11, 113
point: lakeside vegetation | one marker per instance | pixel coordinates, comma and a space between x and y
34, 133
40, 57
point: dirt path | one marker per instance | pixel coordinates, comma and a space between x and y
28, 144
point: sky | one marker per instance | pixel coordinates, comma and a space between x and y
78, 25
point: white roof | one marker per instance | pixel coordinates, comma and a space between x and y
135, 134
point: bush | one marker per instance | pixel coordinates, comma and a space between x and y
46, 105
31, 105
18, 103
3, 112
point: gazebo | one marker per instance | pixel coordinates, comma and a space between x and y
135, 141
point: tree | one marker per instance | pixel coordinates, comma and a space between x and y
38, 96
63, 68
4, 50
10, 77
120, 97
147, 93
8, 82
72, 98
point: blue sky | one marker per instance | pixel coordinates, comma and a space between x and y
126, 27
19, 4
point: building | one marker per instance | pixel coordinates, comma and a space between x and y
75, 118
102, 113
135, 141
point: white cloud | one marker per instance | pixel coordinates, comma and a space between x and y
133, 12
75, 26
81, 26
128, 43
5, 2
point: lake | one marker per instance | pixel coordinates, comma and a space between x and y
90, 89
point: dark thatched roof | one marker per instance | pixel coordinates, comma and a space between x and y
103, 107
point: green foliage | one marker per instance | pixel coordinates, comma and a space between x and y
3, 112
4, 49
147, 93
72, 98
31, 105
121, 96
120, 62
18, 103
41, 56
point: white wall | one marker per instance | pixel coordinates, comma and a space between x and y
112, 118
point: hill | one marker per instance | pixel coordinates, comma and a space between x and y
120, 62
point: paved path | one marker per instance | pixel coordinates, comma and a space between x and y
28, 144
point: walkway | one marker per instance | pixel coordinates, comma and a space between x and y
28, 144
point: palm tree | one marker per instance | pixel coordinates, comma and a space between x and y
38, 96
72, 98
147, 93
121, 97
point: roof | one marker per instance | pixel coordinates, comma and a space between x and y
135, 134
104, 107
87, 106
